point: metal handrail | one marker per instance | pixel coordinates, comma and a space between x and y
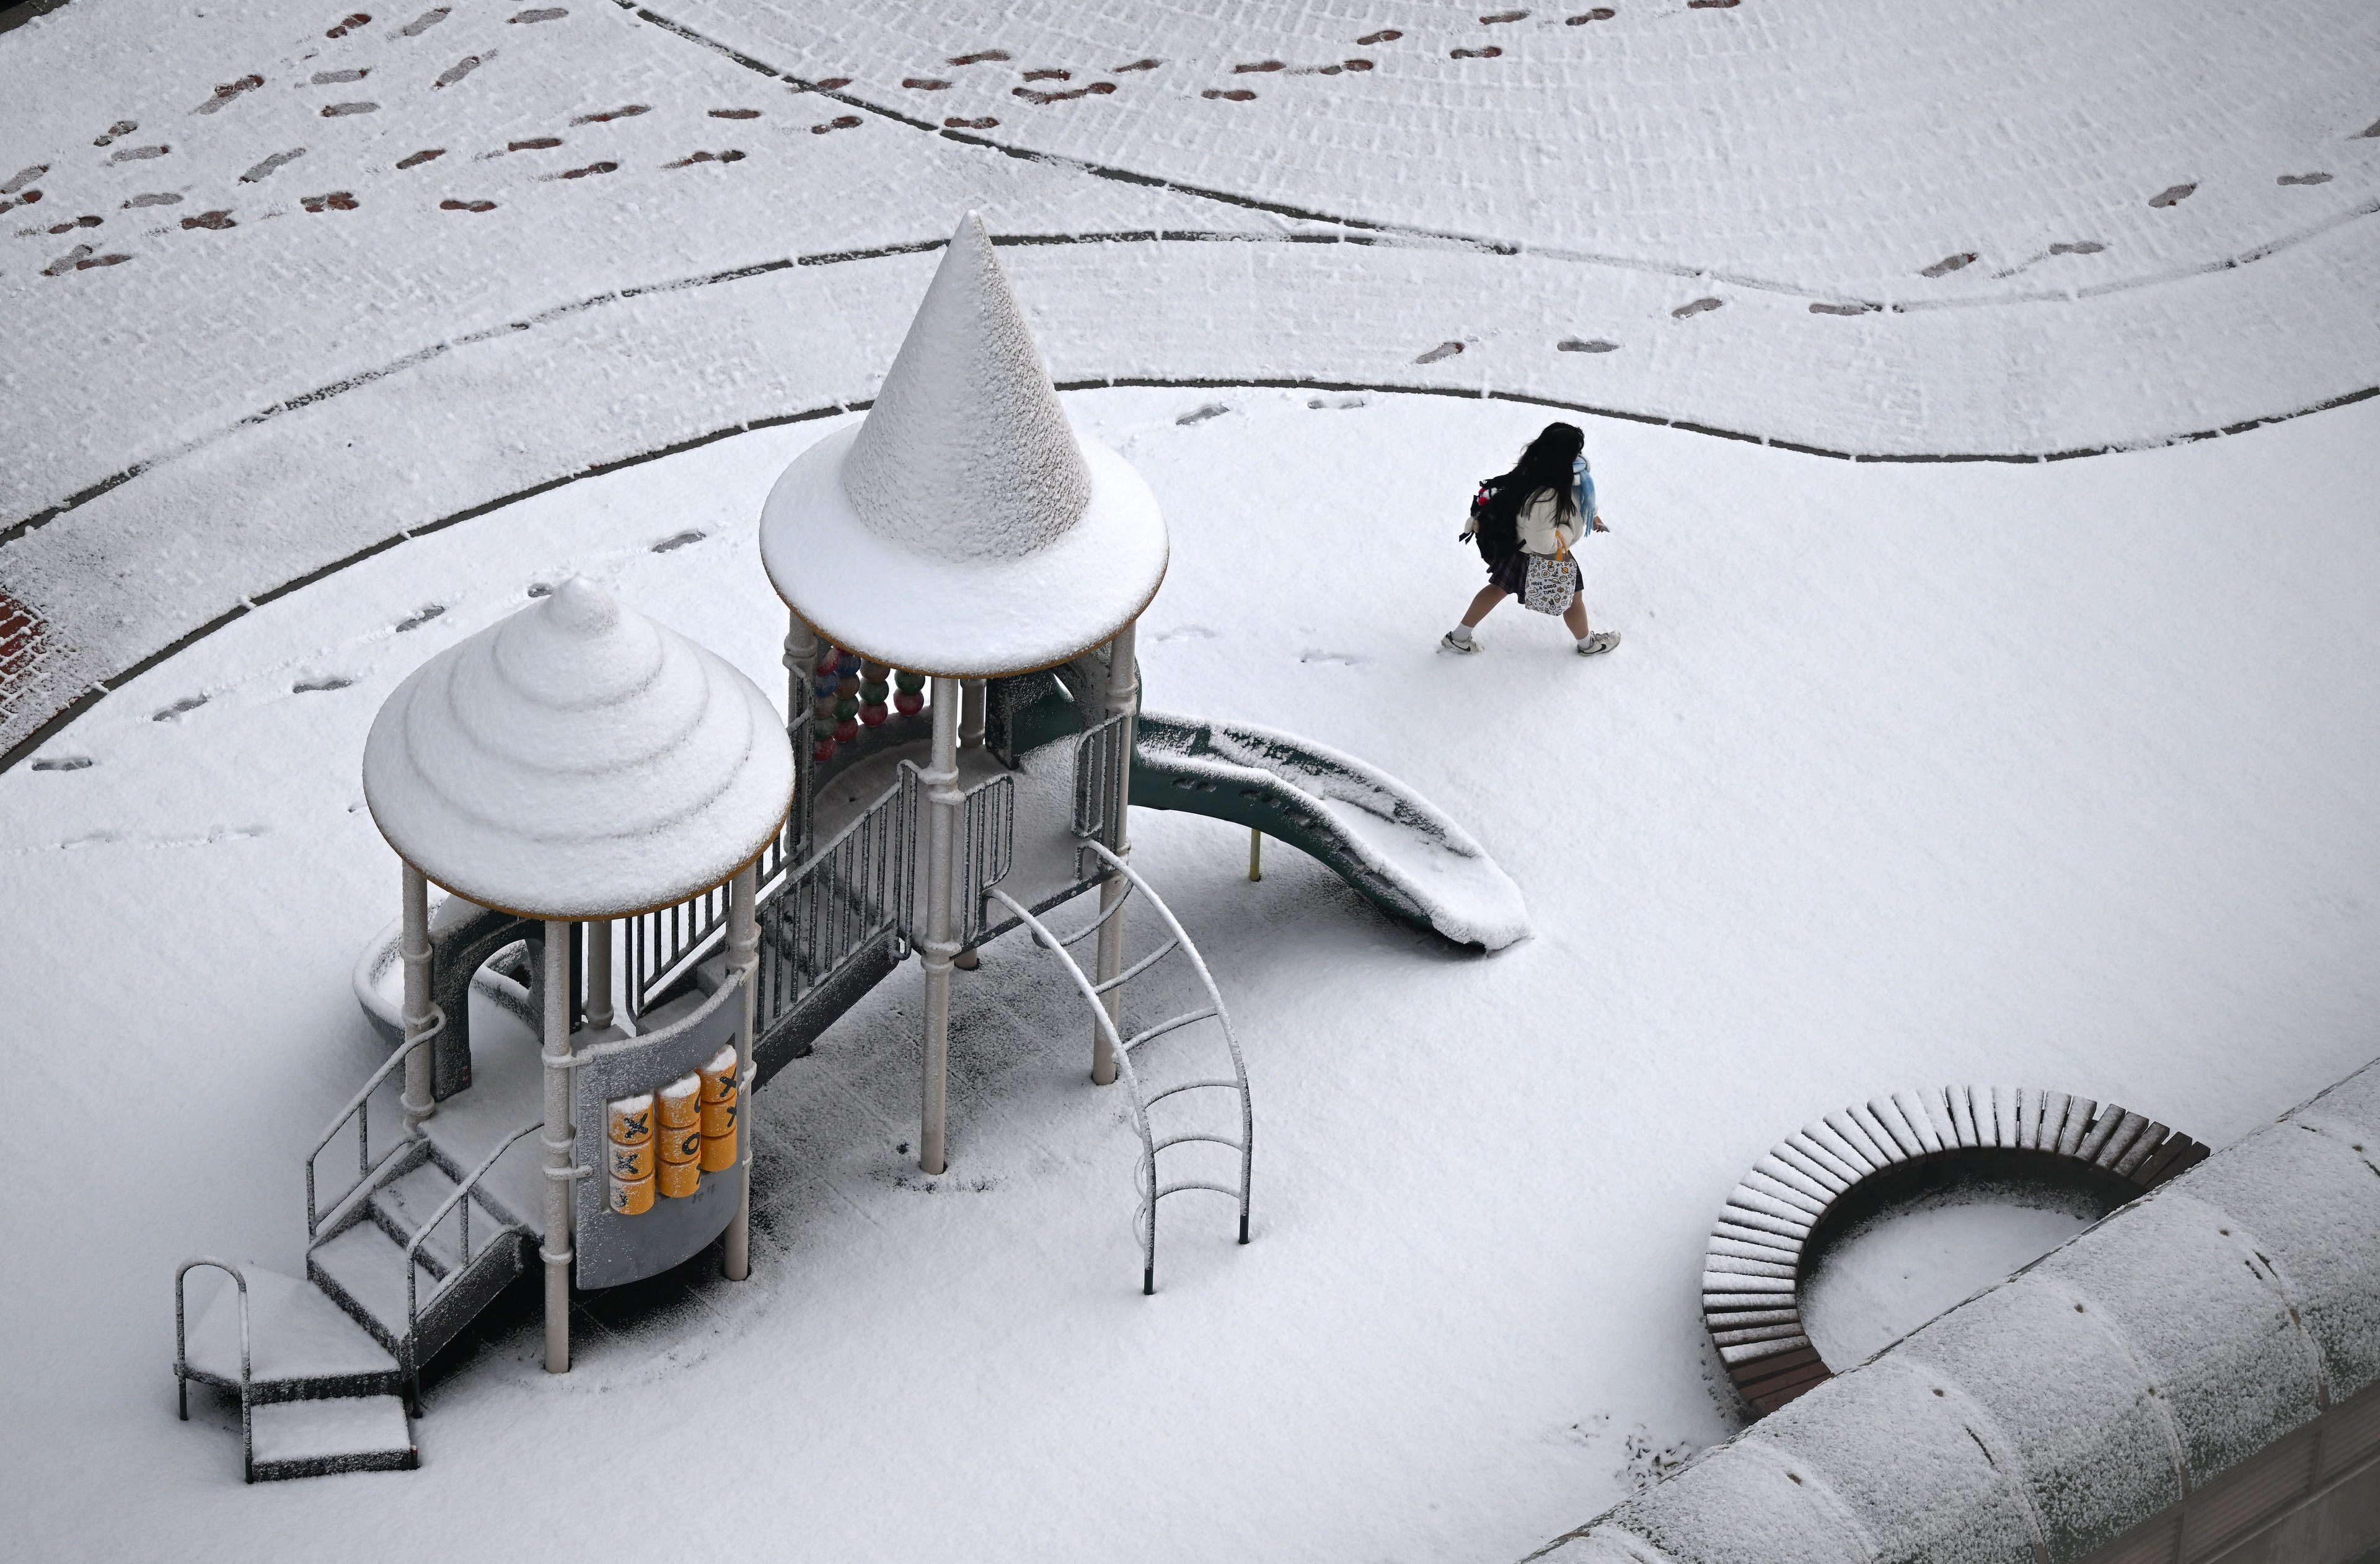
1230, 1034
1145, 1174
359, 1109
854, 889
1049, 941
667, 942
247, 1369
412, 1252
1102, 773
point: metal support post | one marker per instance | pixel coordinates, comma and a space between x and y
942, 800
801, 661
418, 1016
1255, 853
599, 974
743, 963
1122, 694
560, 1148
971, 714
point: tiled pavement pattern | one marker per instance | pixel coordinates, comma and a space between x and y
233, 366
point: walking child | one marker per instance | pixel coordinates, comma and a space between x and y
1524, 522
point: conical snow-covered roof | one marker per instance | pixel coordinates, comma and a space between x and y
965, 528
577, 761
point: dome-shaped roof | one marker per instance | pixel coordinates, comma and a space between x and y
965, 528
577, 761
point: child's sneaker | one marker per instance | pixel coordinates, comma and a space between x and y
1450, 641
1601, 641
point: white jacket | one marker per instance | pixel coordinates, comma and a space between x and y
1539, 532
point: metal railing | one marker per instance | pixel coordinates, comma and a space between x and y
359, 1108
247, 1362
1177, 941
1103, 780
668, 942
460, 1196
987, 848
853, 891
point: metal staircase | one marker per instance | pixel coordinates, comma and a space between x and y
328, 1368
1108, 1002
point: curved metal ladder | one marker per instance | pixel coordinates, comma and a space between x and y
1177, 942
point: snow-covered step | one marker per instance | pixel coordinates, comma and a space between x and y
301, 1343
314, 1438
365, 1268
409, 1201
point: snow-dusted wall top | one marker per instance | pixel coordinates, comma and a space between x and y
577, 761
964, 528
2067, 1405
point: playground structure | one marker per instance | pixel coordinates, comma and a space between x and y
680, 898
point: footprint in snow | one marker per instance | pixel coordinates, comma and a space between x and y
325, 78
1592, 344
277, 160
2303, 180
730, 156
187, 703
983, 56
424, 22
1200, 415
840, 122
2172, 194
462, 68
350, 24
678, 540
626, 111
121, 127
2078, 247
321, 683
422, 616
228, 90
1184, 633
63, 763
1332, 659
1338, 404
1698, 307
543, 13
1443, 350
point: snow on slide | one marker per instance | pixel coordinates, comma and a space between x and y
1375, 832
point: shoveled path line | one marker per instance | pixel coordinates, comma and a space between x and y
91, 697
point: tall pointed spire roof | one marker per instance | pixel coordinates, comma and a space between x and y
965, 528
966, 452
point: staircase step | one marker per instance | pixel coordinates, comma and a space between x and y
342, 1434
410, 1200
367, 1267
299, 1341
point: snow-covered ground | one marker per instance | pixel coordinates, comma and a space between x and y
1903, 774
2053, 773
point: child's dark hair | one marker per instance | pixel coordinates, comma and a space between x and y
1544, 465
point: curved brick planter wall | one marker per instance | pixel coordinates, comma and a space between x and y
1754, 1267
2196, 1378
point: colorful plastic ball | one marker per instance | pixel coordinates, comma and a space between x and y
908, 703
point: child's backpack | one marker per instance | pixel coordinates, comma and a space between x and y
1491, 525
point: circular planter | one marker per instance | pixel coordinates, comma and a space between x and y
1848, 1166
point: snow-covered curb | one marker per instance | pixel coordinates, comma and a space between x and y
2063, 1408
